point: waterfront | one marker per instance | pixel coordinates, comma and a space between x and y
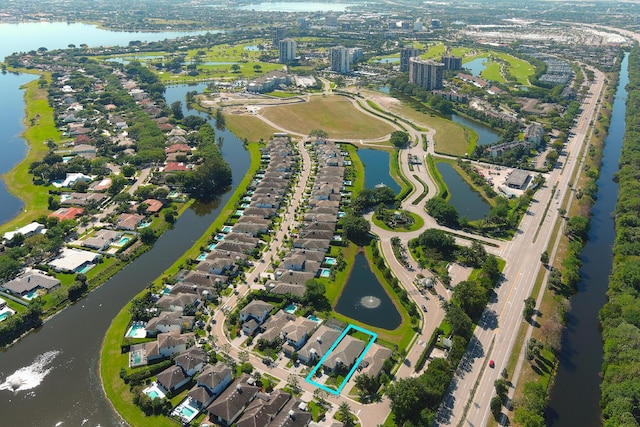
467, 202
376, 169
575, 397
486, 135
71, 392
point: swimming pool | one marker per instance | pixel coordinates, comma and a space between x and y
186, 410
227, 229
202, 256
219, 237
154, 392
123, 241
136, 331
166, 290
329, 260
291, 308
212, 246
239, 212
314, 318
31, 295
85, 268
4, 315
325, 272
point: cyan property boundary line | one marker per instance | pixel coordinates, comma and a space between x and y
309, 378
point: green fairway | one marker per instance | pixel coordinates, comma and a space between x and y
249, 127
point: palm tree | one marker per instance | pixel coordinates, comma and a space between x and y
346, 417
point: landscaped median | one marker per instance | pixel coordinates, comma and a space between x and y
113, 360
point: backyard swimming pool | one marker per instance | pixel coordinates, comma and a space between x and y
202, 256
227, 229
291, 308
329, 260
325, 272
136, 330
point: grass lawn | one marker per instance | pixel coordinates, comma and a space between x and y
418, 223
434, 51
450, 138
334, 114
249, 127
492, 72
18, 180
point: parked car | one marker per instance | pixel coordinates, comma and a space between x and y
492, 364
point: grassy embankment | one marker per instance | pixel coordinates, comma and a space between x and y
111, 358
18, 181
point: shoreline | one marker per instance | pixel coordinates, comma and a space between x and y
17, 180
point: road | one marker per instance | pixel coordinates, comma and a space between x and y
495, 336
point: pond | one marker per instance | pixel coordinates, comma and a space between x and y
376, 169
486, 135
476, 66
467, 202
388, 60
365, 300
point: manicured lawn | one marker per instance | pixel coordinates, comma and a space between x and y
18, 180
334, 114
434, 51
249, 127
450, 138
492, 72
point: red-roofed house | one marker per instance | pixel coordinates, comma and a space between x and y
178, 148
66, 213
154, 205
175, 166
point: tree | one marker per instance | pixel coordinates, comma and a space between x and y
355, 227
367, 385
314, 295
496, 406
471, 297
400, 139
293, 382
318, 134
460, 322
438, 243
235, 68
147, 236
501, 387
345, 415
442, 212
529, 308
129, 171
176, 110
544, 257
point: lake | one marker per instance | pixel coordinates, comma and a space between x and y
467, 202
59, 35
376, 169
12, 146
476, 66
486, 135
296, 7
365, 300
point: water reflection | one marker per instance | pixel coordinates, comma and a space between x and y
467, 202
364, 299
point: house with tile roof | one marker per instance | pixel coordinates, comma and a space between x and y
228, 407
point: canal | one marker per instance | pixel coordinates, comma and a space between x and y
56, 369
575, 397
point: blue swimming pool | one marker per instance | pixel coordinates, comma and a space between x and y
123, 240
4, 315
291, 308
202, 256
212, 246
227, 229
85, 268
314, 318
325, 272
329, 260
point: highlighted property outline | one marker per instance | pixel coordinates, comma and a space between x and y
309, 377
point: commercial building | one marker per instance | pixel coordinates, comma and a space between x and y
287, 50
405, 54
426, 73
340, 59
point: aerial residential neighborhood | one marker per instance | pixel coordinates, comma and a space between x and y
318, 214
